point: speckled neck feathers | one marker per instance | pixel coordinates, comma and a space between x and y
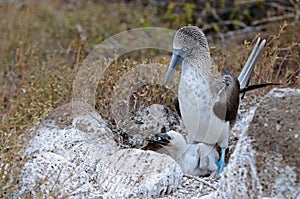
199, 60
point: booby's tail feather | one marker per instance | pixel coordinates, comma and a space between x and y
256, 86
245, 75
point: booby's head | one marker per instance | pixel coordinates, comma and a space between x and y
173, 141
189, 43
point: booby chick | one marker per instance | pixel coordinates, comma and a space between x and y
194, 159
208, 103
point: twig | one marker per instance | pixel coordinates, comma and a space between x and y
81, 33
297, 10
280, 6
242, 2
243, 31
227, 22
272, 19
215, 14
292, 75
280, 66
201, 180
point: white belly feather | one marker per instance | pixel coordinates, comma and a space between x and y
196, 106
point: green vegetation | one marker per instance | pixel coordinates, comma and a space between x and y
42, 47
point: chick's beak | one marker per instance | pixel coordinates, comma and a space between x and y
162, 139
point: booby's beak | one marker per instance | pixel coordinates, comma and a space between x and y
176, 60
163, 139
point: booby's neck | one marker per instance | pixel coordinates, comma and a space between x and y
199, 62
178, 149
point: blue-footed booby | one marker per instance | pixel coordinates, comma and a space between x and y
208, 103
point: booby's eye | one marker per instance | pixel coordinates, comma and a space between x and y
169, 137
184, 49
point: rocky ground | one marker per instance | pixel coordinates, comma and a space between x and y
75, 154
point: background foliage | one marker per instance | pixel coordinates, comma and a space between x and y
43, 43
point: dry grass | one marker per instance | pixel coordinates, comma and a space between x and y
41, 50
39, 57
279, 63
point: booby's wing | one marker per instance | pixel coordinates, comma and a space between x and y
245, 74
227, 105
230, 89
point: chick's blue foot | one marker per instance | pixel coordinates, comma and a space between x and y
221, 163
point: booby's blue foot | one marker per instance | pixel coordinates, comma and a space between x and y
221, 164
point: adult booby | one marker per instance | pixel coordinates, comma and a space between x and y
208, 103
